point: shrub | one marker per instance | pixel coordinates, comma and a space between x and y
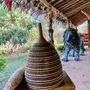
25, 48
60, 48
2, 62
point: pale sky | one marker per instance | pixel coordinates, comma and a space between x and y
83, 27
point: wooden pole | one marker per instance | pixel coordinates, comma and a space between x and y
89, 33
88, 17
50, 30
86, 14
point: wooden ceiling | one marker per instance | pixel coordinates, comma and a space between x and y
72, 9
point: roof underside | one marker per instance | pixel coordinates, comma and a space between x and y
72, 9
62, 9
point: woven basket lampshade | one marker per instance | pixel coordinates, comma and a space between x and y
43, 70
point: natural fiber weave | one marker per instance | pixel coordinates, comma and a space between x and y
44, 69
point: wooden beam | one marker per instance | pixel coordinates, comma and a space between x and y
53, 8
57, 2
50, 30
63, 3
86, 14
45, 3
50, 15
51, 1
88, 17
76, 5
74, 11
69, 4
89, 33
72, 5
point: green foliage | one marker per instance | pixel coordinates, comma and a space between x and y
22, 29
1, 40
19, 36
34, 34
3, 11
16, 32
16, 36
60, 48
6, 36
2, 62
29, 27
25, 48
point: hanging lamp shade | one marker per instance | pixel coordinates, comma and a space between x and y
43, 70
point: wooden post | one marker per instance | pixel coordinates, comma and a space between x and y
88, 17
89, 33
50, 30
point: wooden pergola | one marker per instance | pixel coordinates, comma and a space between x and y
74, 11
67, 11
77, 11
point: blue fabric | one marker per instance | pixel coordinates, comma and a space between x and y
69, 46
77, 56
82, 49
72, 52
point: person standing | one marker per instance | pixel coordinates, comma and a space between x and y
71, 41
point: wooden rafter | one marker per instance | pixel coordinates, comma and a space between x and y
75, 10
72, 8
53, 8
67, 4
63, 8
51, 1
86, 14
72, 5
56, 3
63, 3
76, 5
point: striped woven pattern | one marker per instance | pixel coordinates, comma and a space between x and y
43, 70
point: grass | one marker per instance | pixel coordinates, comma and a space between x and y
13, 63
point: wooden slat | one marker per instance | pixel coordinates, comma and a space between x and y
51, 1
77, 5
45, 2
53, 8
63, 3
86, 14
72, 5
67, 5
78, 19
56, 3
74, 11
87, 10
89, 33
